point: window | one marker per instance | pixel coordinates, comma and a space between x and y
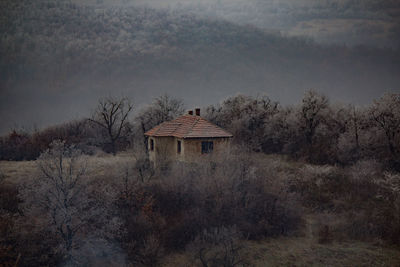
179, 147
207, 147
151, 144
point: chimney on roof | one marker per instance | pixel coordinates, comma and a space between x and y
197, 111
190, 112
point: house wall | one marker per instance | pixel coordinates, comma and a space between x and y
166, 148
192, 148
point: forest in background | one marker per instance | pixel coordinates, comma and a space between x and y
315, 130
58, 55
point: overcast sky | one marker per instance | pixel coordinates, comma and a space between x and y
354, 22
57, 97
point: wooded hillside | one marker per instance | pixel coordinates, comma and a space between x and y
69, 52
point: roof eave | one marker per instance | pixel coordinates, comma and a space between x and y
198, 137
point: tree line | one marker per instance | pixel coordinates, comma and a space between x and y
315, 130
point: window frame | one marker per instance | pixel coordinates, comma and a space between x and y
151, 144
179, 147
207, 147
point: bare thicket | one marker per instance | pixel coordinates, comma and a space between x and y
207, 209
357, 202
246, 117
57, 199
218, 246
311, 115
350, 144
168, 212
111, 114
315, 130
163, 108
385, 113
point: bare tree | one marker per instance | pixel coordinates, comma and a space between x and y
386, 114
350, 145
355, 119
312, 106
245, 117
59, 192
163, 108
112, 115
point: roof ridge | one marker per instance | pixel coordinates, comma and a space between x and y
192, 126
179, 124
188, 126
159, 127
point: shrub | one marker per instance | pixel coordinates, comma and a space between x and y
218, 247
177, 207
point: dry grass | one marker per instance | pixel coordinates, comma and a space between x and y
303, 250
17, 171
299, 251
102, 165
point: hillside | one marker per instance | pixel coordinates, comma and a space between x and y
60, 56
303, 248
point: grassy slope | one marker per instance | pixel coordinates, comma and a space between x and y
299, 251
102, 166
303, 250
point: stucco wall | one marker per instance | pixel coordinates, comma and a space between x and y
192, 148
165, 148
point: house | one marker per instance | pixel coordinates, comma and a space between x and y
187, 138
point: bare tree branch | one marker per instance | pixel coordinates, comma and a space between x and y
112, 115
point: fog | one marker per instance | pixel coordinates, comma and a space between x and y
58, 58
371, 22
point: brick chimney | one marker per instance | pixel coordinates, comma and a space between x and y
190, 112
197, 111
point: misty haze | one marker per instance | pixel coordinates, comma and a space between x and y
57, 58
199, 132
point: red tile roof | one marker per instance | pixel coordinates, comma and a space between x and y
188, 126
